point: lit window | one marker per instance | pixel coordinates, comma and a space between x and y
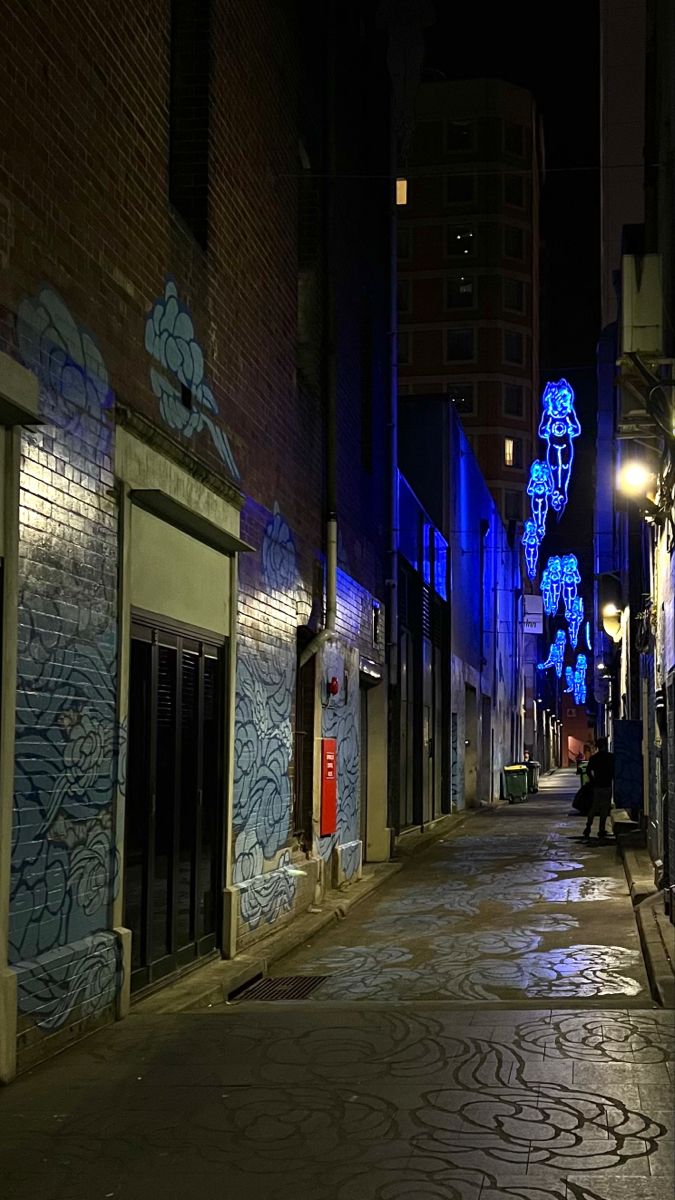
514, 295
513, 452
404, 349
460, 189
513, 348
461, 395
459, 135
401, 191
459, 345
514, 138
513, 242
440, 565
459, 290
461, 242
514, 190
427, 545
513, 400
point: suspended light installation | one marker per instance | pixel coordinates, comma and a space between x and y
580, 679
551, 584
570, 579
556, 654
569, 680
530, 542
588, 635
540, 489
575, 620
558, 427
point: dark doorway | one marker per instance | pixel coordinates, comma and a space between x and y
173, 822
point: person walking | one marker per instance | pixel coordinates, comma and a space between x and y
600, 772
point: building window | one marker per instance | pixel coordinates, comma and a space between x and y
513, 505
513, 242
514, 295
404, 242
513, 452
514, 190
460, 189
404, 349
460, 241
440, 565
459, 345
189, 115
459, 290
513, 348
462, 396
513, 400
514, 139
403, 295
459, 135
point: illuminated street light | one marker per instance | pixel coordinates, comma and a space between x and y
601, 666
634, 478
610, 610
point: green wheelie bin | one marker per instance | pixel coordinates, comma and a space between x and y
515, 782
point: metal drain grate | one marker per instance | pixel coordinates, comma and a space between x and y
284, 987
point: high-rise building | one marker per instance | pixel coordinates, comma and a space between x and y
468, 271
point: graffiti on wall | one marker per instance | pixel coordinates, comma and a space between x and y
186, 401
263, 750
340, 720
64, 859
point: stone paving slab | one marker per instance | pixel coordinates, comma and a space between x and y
379, 1104
513, 907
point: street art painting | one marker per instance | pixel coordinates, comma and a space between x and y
264, 746
64, 860
186, 400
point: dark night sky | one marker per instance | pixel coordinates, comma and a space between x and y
552, 51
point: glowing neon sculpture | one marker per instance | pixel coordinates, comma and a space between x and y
539, 489
551, 584
558, 426
575, 620
530, 542
556, 654
580, 679
569, 679
588, 635
570, 579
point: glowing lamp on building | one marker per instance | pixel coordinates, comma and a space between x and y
634, 479
611, 622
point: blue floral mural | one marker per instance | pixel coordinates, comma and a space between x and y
64, 860
264, 747
341, 721
170, 339
279, 567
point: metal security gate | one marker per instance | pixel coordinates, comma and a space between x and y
173, 821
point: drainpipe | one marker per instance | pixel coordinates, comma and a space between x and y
330, 361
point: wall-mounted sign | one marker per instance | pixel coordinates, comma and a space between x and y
533, 614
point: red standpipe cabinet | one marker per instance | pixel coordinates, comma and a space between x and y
328, 822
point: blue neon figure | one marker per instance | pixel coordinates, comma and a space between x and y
570, 579
551, 584
539, 489
558, 426
569, 679
580, 679
556, 654
575, 620
530, 542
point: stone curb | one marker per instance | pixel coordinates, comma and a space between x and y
655, 931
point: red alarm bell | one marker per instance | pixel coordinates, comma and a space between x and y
333, 686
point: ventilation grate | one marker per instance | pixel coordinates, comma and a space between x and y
284, 987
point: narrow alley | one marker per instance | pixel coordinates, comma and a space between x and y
484, 1029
